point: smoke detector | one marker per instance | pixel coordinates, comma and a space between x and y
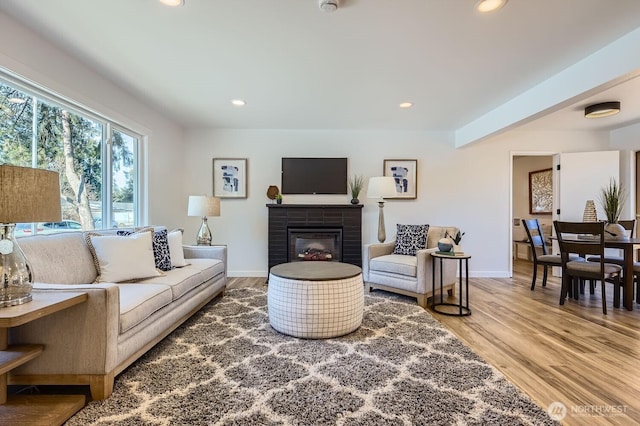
328, 5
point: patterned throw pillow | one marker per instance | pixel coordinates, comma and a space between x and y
160, 248
410, 238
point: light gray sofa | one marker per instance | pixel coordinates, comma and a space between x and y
409, 275
90, 343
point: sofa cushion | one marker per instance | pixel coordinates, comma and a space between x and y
410, 238
59, 258
139, 301
182, 280
161, 252
209, 268
175, 248
120, 258
395, 263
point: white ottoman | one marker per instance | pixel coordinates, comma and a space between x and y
315, 300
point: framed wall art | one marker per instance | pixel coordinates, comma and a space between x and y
230, 177
541, 191
405, 174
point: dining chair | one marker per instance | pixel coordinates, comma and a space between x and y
586, 238
537, 242
628, 225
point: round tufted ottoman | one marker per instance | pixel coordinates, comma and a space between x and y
315, 300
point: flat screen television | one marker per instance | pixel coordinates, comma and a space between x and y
314, 175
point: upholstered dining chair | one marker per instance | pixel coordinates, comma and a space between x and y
629, 226
586, 238
537, 242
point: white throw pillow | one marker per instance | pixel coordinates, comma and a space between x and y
175, 248
123, 258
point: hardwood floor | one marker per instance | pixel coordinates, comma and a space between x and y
572, 354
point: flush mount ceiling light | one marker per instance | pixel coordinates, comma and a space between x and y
238, 102
328, 5
406, 105
172, 3
487, 6
603, 109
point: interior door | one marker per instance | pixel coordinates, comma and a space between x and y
580, 178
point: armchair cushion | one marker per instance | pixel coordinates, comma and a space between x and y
410, 238
395, 264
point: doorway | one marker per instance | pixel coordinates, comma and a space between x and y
523, 167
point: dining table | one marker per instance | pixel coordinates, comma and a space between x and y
627, 246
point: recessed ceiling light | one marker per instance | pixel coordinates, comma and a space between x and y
172, 3
17, 100
603, 109
238, 102
406, 105
486, 6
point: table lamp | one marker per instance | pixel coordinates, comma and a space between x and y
26, 195
381, 188
204, 206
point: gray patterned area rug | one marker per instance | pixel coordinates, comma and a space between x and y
227, 366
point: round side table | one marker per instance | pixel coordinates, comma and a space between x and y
443, 307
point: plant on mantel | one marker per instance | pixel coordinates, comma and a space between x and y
356, 183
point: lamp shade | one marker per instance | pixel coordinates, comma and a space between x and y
29, 195
203, 206
381, 187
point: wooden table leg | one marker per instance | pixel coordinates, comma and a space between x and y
627, 299
4, 344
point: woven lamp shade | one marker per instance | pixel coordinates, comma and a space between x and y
29, 195
202, 206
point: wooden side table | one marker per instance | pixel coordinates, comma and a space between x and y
33, 409
462, 309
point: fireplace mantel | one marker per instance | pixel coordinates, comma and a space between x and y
348, 217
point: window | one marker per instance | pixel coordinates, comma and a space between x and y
96, 158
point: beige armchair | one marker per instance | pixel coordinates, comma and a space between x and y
409, 275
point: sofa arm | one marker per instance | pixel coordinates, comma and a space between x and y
207, 252
425, 265
375, 250
82, 339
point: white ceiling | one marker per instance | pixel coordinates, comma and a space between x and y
300, 68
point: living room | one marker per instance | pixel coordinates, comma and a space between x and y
462, 184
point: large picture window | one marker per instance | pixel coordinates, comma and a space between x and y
96, 159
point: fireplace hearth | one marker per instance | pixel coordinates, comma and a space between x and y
334, 233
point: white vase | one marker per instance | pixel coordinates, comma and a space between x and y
614, 231
457, 248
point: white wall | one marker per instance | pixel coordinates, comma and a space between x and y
467, 187
28, 55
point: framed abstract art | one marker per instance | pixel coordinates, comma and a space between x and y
230, 177
405, 174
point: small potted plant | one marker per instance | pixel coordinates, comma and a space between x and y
456, 241
278, 198
356, 184
612, 199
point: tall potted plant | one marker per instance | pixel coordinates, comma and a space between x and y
612, 199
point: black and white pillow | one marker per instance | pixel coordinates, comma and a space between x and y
160, 248
410, 238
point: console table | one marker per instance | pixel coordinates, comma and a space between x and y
33, 409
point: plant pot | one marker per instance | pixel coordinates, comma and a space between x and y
445, 244
614, 231
279, 201
354, 201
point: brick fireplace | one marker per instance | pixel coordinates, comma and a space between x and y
315, 232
